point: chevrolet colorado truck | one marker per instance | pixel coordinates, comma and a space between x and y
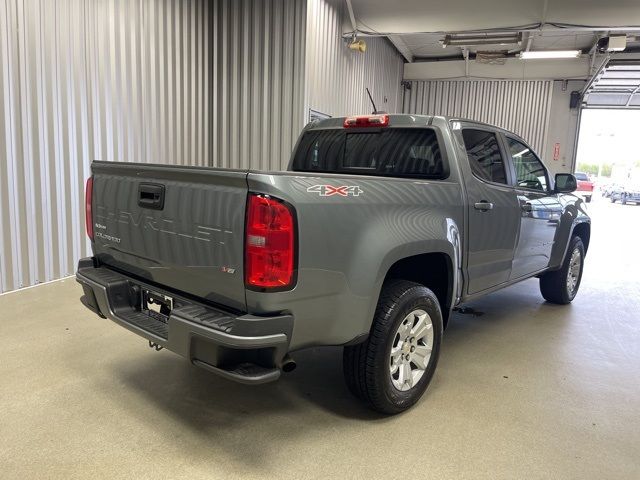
382, 225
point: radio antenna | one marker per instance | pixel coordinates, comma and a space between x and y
375, 110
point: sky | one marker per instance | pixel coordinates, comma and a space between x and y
609, 136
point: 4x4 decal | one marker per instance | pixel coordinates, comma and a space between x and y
330, 190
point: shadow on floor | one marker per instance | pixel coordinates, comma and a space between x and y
312, 400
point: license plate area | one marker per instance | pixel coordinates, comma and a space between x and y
156, 305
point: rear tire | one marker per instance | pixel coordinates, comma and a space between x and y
613, 200
561, 286
588, 199
405, 311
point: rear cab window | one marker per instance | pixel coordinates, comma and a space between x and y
393, 152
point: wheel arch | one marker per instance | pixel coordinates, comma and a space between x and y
583, 230
573, 221
434, 270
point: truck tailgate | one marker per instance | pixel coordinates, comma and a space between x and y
179, 227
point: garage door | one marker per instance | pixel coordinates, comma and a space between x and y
616, 86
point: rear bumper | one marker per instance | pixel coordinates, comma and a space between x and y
243, 348
584, 193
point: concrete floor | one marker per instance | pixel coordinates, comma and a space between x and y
526, 390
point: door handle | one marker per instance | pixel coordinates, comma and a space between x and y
151, 195
483, 206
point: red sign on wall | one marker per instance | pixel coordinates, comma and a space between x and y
556, 151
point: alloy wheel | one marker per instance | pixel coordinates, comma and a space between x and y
411, 350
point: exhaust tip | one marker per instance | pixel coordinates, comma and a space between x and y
288, 364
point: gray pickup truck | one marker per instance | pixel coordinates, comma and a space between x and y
382, 225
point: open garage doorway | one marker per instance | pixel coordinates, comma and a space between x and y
608, 154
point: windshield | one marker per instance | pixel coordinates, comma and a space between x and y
400, 152
581, 176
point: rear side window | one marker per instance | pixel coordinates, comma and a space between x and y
484, 155
399, 152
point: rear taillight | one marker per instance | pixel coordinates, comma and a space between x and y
87, 207
269, 243
366, 121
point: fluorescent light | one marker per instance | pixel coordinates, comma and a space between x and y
471, 40
550, 54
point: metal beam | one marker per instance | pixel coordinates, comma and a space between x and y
402, 47
593, 52
529, 41
595, 75
465, 55
352, 17
513, 69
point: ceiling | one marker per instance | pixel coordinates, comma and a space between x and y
417, 27
411, 16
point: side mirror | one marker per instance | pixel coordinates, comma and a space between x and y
565, 183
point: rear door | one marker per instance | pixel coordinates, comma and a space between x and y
493, 211
179, 227
540, 210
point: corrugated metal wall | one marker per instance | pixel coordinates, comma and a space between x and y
521, 106
337, 76
81, 80
147, 69
258, 86
189, 82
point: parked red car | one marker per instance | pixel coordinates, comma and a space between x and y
585, 186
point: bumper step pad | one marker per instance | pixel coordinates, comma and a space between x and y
147, 322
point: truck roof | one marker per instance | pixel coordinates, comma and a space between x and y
407, 120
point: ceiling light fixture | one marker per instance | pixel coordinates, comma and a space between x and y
466, 40
542, 54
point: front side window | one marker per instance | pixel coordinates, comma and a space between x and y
530, 173
484, 155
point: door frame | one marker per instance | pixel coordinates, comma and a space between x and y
518, 190
510, 178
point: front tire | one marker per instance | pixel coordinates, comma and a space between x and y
391, 370
561, 286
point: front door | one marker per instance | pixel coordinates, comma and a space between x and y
493, 211
539, 210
